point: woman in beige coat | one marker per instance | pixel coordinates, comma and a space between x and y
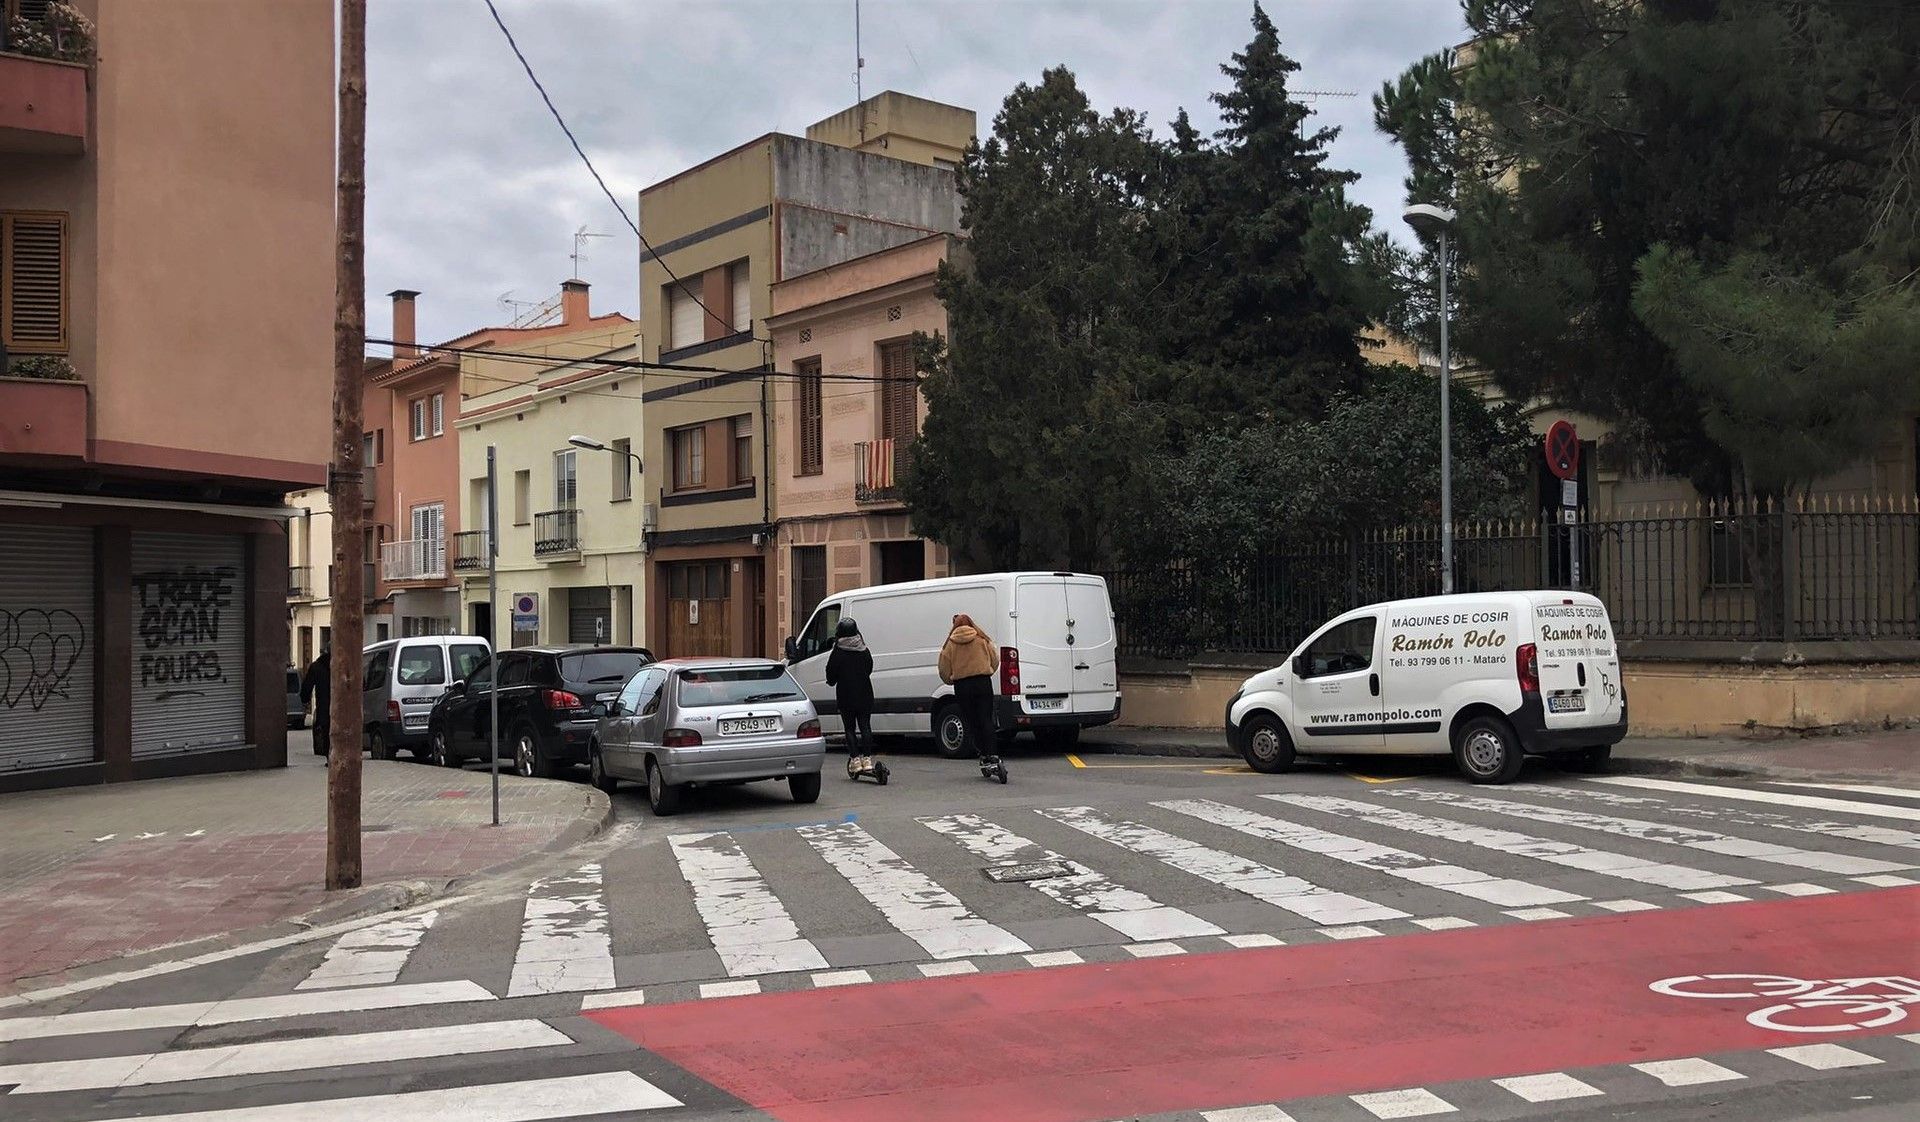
968, 661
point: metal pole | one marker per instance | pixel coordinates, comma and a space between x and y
493, 627
1446, 433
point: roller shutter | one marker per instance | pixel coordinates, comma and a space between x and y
47, 647
189, 643
590, 615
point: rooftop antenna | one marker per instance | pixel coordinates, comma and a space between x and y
580, 237
859, 64
1315, 95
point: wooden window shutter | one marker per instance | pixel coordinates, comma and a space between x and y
897, 392
33, 283
812, 447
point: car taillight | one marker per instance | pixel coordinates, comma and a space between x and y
1009, 671
680, 738
393, 710
560, 699
809, 730
1526, 664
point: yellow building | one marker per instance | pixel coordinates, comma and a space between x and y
874, 177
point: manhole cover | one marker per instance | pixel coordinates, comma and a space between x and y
1039, 870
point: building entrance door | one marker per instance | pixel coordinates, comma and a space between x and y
699, 602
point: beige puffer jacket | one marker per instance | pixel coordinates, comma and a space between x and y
968, 653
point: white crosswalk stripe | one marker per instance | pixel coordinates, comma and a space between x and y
1778, 798
565, 945
746, 923
371, 956
1282, 890
529, 1100
241, 1009
1732, 815
1133, 914
1706, 841
1622, 865
1432, 872
912, 902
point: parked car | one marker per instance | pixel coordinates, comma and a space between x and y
1490, 677
551, 698
699, 721
1058, 671
296, 708
403, 678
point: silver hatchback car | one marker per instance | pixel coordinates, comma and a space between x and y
697, 721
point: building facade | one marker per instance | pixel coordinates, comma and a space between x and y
166, 257
722, 234
841, 447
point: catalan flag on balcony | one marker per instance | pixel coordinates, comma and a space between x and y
880, 465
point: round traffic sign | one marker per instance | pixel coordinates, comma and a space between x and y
1563, 450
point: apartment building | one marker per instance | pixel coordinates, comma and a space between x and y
166, 294
875, 176
841, 443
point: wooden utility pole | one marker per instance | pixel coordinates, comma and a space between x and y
346, 484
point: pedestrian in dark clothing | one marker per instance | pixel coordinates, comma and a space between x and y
850, 673
967, 662
317, 687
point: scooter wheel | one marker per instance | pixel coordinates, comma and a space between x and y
880, 774
1000, 773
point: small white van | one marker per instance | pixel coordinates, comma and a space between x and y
402, 678
1058, 672
1489, 677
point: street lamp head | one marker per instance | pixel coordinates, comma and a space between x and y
1427, 218
579, 441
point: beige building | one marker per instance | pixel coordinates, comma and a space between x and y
309, 576
722, 234
840, 448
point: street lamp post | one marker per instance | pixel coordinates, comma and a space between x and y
1429, 219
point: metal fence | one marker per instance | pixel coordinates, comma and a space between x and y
1837, 570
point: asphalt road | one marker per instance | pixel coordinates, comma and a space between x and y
1201, 943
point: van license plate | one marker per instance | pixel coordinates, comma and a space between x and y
1043, 704
1566, 703
741, 726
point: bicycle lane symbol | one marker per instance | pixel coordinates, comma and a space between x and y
1804, 1004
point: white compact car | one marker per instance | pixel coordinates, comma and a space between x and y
1489, 677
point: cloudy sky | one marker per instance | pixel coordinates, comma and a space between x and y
474, 193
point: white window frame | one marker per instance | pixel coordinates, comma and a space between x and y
622, 469
439, 414
417, 414
566, 479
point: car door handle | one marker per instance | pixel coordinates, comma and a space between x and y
1373, 684
1081, 666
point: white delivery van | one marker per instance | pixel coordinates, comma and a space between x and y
1489, 677
402, 678
1055, 633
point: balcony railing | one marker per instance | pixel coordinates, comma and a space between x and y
878, 467
556, 533
300, 582
470, 550
414, 559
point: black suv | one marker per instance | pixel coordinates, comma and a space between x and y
551, 698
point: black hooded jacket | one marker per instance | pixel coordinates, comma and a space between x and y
850, 673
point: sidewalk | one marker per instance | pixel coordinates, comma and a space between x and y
95, 873
1891, 756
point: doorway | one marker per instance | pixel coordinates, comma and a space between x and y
482, 625
901, 561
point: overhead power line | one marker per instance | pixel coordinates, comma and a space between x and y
654, 368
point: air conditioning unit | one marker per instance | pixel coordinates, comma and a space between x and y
649, 517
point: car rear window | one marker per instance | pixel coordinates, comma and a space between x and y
741, 686
422, 665
601, 668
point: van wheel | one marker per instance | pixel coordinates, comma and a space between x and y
1486, 751
950, 733
1265, 744
806, 788
1059, 738
597, 771
662, 796
377, 744
1591, 759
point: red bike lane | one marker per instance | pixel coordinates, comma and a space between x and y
1202, 1031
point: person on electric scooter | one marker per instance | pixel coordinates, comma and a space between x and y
968, 661
850, 673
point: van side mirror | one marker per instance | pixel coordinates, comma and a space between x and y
1300, 666
793, 649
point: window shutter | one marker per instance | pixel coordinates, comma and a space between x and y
897, 412
811, 443
742, 299
34, 11
439, 413
684, 327
33, 313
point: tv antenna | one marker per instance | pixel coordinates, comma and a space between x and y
1311, 96
580, 237
859, 64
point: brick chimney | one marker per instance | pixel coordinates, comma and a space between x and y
573, 302
404, 344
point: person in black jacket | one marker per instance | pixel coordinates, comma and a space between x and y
850, 673
317, 686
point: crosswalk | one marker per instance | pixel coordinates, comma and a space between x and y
848, 902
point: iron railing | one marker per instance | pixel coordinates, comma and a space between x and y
1827, 571
556, 532
470, 550
878, 467
414, 559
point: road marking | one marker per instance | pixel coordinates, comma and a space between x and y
1626, 905
1741, 816
564, 942
1400, 863
1798, 889
1133, 914
371, 956
1054, 958
1686, 1073
1706, 841
1567, 854
1856, 789
277, 1056
1445, 923
841, 978
1357, 931
1245, 942
746, 923
1779, 798
1884, 881
1413, 1102
1080, 763
1377, 779
1247, 1114
1824, 1057
742, 988
1714, 897
619, 999
1289, 893
532, 1100
947, 969
1548, 1087
1537, 913
1154, 950
103, 981
240, 1009
912, 902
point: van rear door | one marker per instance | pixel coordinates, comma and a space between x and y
1046, 656
1579, 662
1096, 672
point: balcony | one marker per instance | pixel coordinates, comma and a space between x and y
878, 466
556, 533
414, 559
300, 582
43, 419
43, 105
469, 550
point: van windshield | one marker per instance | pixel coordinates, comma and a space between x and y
741, 686
422, 665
